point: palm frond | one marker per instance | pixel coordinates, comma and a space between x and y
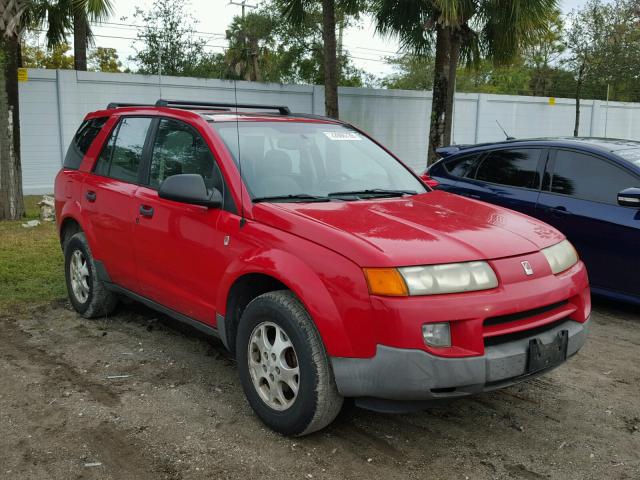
509, 24
410, 21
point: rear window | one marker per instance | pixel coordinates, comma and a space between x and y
82, 140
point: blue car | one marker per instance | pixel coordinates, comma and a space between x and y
588, 188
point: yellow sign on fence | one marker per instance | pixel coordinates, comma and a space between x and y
23, 75
552, 100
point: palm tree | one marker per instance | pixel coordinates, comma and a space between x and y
298, 11
460, 28
15, 16
83, 12
12, 19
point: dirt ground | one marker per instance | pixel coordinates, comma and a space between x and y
137, 397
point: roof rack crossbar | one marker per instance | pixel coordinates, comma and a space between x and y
122, 104
283, 110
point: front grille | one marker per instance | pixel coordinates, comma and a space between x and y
532, 332
513, 317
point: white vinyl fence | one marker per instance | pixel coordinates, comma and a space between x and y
53, 103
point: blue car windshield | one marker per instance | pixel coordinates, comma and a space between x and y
311, 160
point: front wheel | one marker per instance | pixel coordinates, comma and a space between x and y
283, 366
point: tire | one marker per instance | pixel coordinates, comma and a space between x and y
317, 401
90, 297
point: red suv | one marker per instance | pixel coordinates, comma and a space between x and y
319, 259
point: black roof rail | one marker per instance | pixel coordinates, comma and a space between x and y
316, 117
283, 110
121, 104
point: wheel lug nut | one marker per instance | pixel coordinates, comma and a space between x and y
273, 356
277, 370
264, 367
271, 376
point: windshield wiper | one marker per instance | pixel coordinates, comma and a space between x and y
374, 192
304, 197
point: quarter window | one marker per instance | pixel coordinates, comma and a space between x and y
121, 157
589, 178
179, 149
515, 168
462, 167
82, 140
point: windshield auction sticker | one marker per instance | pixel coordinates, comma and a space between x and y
342, 136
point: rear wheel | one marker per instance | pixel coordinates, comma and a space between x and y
284, 369
87, 293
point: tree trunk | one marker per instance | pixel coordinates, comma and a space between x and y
11, 201
454, 56
330, 59
576, 128
440, 92
80, 30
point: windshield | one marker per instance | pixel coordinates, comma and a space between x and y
286, 161
631, 155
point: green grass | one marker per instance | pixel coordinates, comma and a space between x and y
31, 262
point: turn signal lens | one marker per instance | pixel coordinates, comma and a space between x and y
385, 281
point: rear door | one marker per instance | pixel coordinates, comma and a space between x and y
580, 200
107, 199
507, 177
179, 246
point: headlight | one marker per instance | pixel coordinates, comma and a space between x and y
449, 278
561, 256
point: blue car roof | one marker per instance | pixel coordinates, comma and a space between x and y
592, 144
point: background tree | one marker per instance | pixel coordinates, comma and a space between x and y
104, 59
460, 29
586, 39
83, 12
56, 57
298, 11
12, 21
170, 43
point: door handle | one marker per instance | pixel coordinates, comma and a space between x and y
146, 211
559, 211
90, 195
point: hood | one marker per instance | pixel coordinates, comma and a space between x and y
435, 227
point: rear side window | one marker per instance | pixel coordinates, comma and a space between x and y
462, 167
589, 178
82, 140
122, 155
515, 168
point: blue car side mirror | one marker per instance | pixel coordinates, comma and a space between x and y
629, 197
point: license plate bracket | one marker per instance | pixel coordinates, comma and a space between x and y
543, 356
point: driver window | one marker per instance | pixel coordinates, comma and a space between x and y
179, 149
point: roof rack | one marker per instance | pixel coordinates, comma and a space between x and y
120, 104
283, 110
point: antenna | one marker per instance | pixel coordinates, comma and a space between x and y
235, 94
505, 132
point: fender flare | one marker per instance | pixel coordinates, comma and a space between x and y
303, 281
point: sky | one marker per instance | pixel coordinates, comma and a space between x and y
367, 49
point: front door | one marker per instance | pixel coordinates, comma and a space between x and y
581, 202
178, 246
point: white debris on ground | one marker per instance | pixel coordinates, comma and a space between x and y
47, 209
31, 224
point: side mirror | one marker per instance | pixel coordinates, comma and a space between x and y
189, 188
428, 180
629, 197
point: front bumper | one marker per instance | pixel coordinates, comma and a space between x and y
407, 374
